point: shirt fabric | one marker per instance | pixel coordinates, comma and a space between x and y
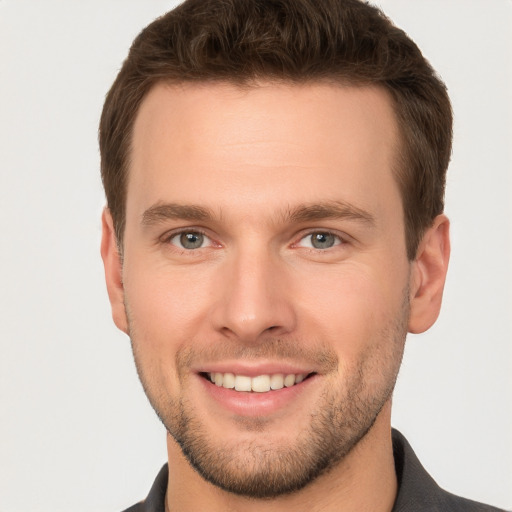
417, 490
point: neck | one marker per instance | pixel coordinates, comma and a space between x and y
364, 480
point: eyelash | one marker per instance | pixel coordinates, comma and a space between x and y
190, 231
339, 239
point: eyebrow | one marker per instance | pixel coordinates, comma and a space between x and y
303, 213
169, 211
330, 210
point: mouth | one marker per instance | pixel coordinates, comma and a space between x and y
259, 384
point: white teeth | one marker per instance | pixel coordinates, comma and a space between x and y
242, 383
289, 380
228, 381
259, 384
277, 381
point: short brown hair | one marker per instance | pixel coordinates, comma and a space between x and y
296, 41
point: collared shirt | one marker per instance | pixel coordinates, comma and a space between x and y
417, 490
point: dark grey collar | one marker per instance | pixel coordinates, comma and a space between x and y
417, 490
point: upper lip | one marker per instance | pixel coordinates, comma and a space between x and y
251, 369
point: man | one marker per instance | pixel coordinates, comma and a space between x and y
275, 174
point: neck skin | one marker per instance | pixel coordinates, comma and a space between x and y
365, 480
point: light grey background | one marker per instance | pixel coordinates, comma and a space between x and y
76, 432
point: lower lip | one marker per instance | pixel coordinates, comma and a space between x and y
253, 404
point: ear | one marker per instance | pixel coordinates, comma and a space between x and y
113, 271
429, 275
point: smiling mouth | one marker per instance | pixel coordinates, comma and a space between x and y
258, 384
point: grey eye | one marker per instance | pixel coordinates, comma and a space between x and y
191, 240
322, 240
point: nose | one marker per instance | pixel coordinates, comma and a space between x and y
253, 298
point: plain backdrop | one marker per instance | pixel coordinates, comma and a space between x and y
76, 431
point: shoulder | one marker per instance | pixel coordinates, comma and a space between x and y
139, 507
418, 491
458, 504
155, 501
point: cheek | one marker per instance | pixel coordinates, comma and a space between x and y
351, 307
162, 299
362, 316
163, 314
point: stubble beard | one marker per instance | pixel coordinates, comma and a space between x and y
263, 470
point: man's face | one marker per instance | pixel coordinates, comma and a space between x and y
264, 245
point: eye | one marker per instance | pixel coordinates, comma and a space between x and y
190, 240
320, 240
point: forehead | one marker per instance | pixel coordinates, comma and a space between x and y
227, 146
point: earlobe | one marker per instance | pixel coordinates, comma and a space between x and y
429, 275
113, 271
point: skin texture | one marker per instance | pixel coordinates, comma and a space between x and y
252, 174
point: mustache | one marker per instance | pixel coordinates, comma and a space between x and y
310, 353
